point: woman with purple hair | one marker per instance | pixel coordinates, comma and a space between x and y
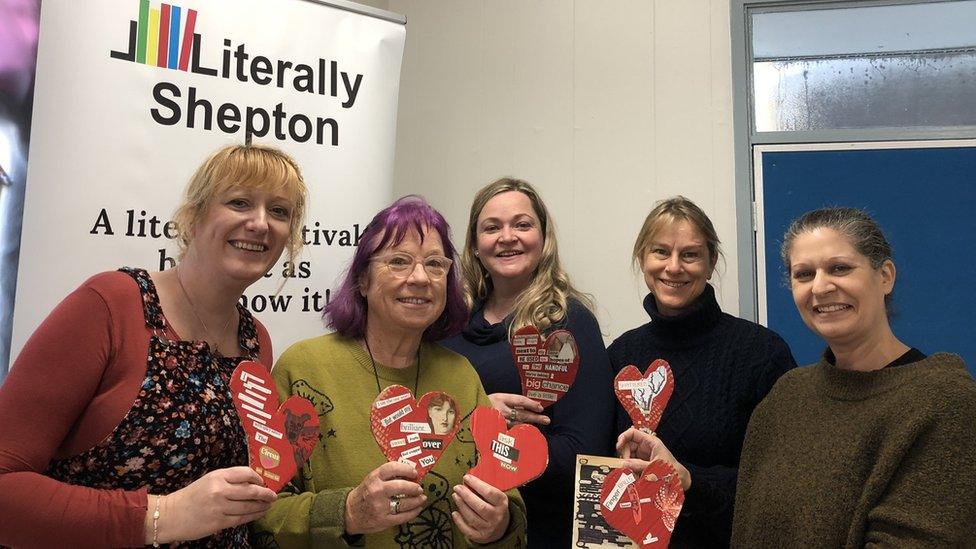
399, 296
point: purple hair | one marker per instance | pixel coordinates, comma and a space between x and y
346, 311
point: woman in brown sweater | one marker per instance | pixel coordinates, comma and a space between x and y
875, 445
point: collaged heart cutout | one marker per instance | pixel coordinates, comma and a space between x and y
414, 432
547, 366
643, 508
280, 439
507, 458
645, 396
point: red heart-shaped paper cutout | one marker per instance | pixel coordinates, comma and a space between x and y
279, 439
644, 509
412, 432
645, 396
508, 458
547, 367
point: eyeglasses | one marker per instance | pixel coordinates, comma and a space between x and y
402, 264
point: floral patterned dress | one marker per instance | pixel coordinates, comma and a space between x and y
182, 424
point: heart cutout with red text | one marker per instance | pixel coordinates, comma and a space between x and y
508, 458
644, 509
280, 439
412, 432
547, 367
645, 396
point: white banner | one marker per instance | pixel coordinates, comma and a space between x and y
132, 95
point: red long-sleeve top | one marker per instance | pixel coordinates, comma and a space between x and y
72, 384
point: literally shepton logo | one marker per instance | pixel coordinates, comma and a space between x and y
167, 37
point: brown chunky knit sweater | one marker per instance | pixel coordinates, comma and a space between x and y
837, 458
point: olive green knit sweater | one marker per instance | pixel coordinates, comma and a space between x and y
837, 458
337, 375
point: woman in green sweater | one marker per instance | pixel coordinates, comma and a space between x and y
399, 296
875, 445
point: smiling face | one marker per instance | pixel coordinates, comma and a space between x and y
243, 232
442, 415
509, 239
677, 266
409, 304
839, 295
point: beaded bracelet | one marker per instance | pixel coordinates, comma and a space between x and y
155, 542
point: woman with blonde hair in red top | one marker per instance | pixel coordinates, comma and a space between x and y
119, 428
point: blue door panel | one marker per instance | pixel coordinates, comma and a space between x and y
925, 200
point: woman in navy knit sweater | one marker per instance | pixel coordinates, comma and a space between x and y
722, 365
512, 279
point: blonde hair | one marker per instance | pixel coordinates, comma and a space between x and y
544, 302
254, 166
669, 211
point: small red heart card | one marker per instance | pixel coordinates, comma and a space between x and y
645, 508
508, 458
645, 396
414, 432
280, 439
546, 366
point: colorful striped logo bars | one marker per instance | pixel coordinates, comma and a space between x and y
158, 37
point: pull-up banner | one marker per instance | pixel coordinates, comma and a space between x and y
132, 95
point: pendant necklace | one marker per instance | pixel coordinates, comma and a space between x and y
193, 309
416, 381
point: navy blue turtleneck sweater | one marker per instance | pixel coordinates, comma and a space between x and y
582, 421
723, 366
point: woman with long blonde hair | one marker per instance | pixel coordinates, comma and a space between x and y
513, 278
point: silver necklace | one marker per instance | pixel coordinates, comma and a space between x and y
193, 309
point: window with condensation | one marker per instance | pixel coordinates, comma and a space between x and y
884, 66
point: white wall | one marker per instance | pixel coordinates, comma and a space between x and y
605, 106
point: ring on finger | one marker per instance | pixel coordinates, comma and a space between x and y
513, 415
394, 505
